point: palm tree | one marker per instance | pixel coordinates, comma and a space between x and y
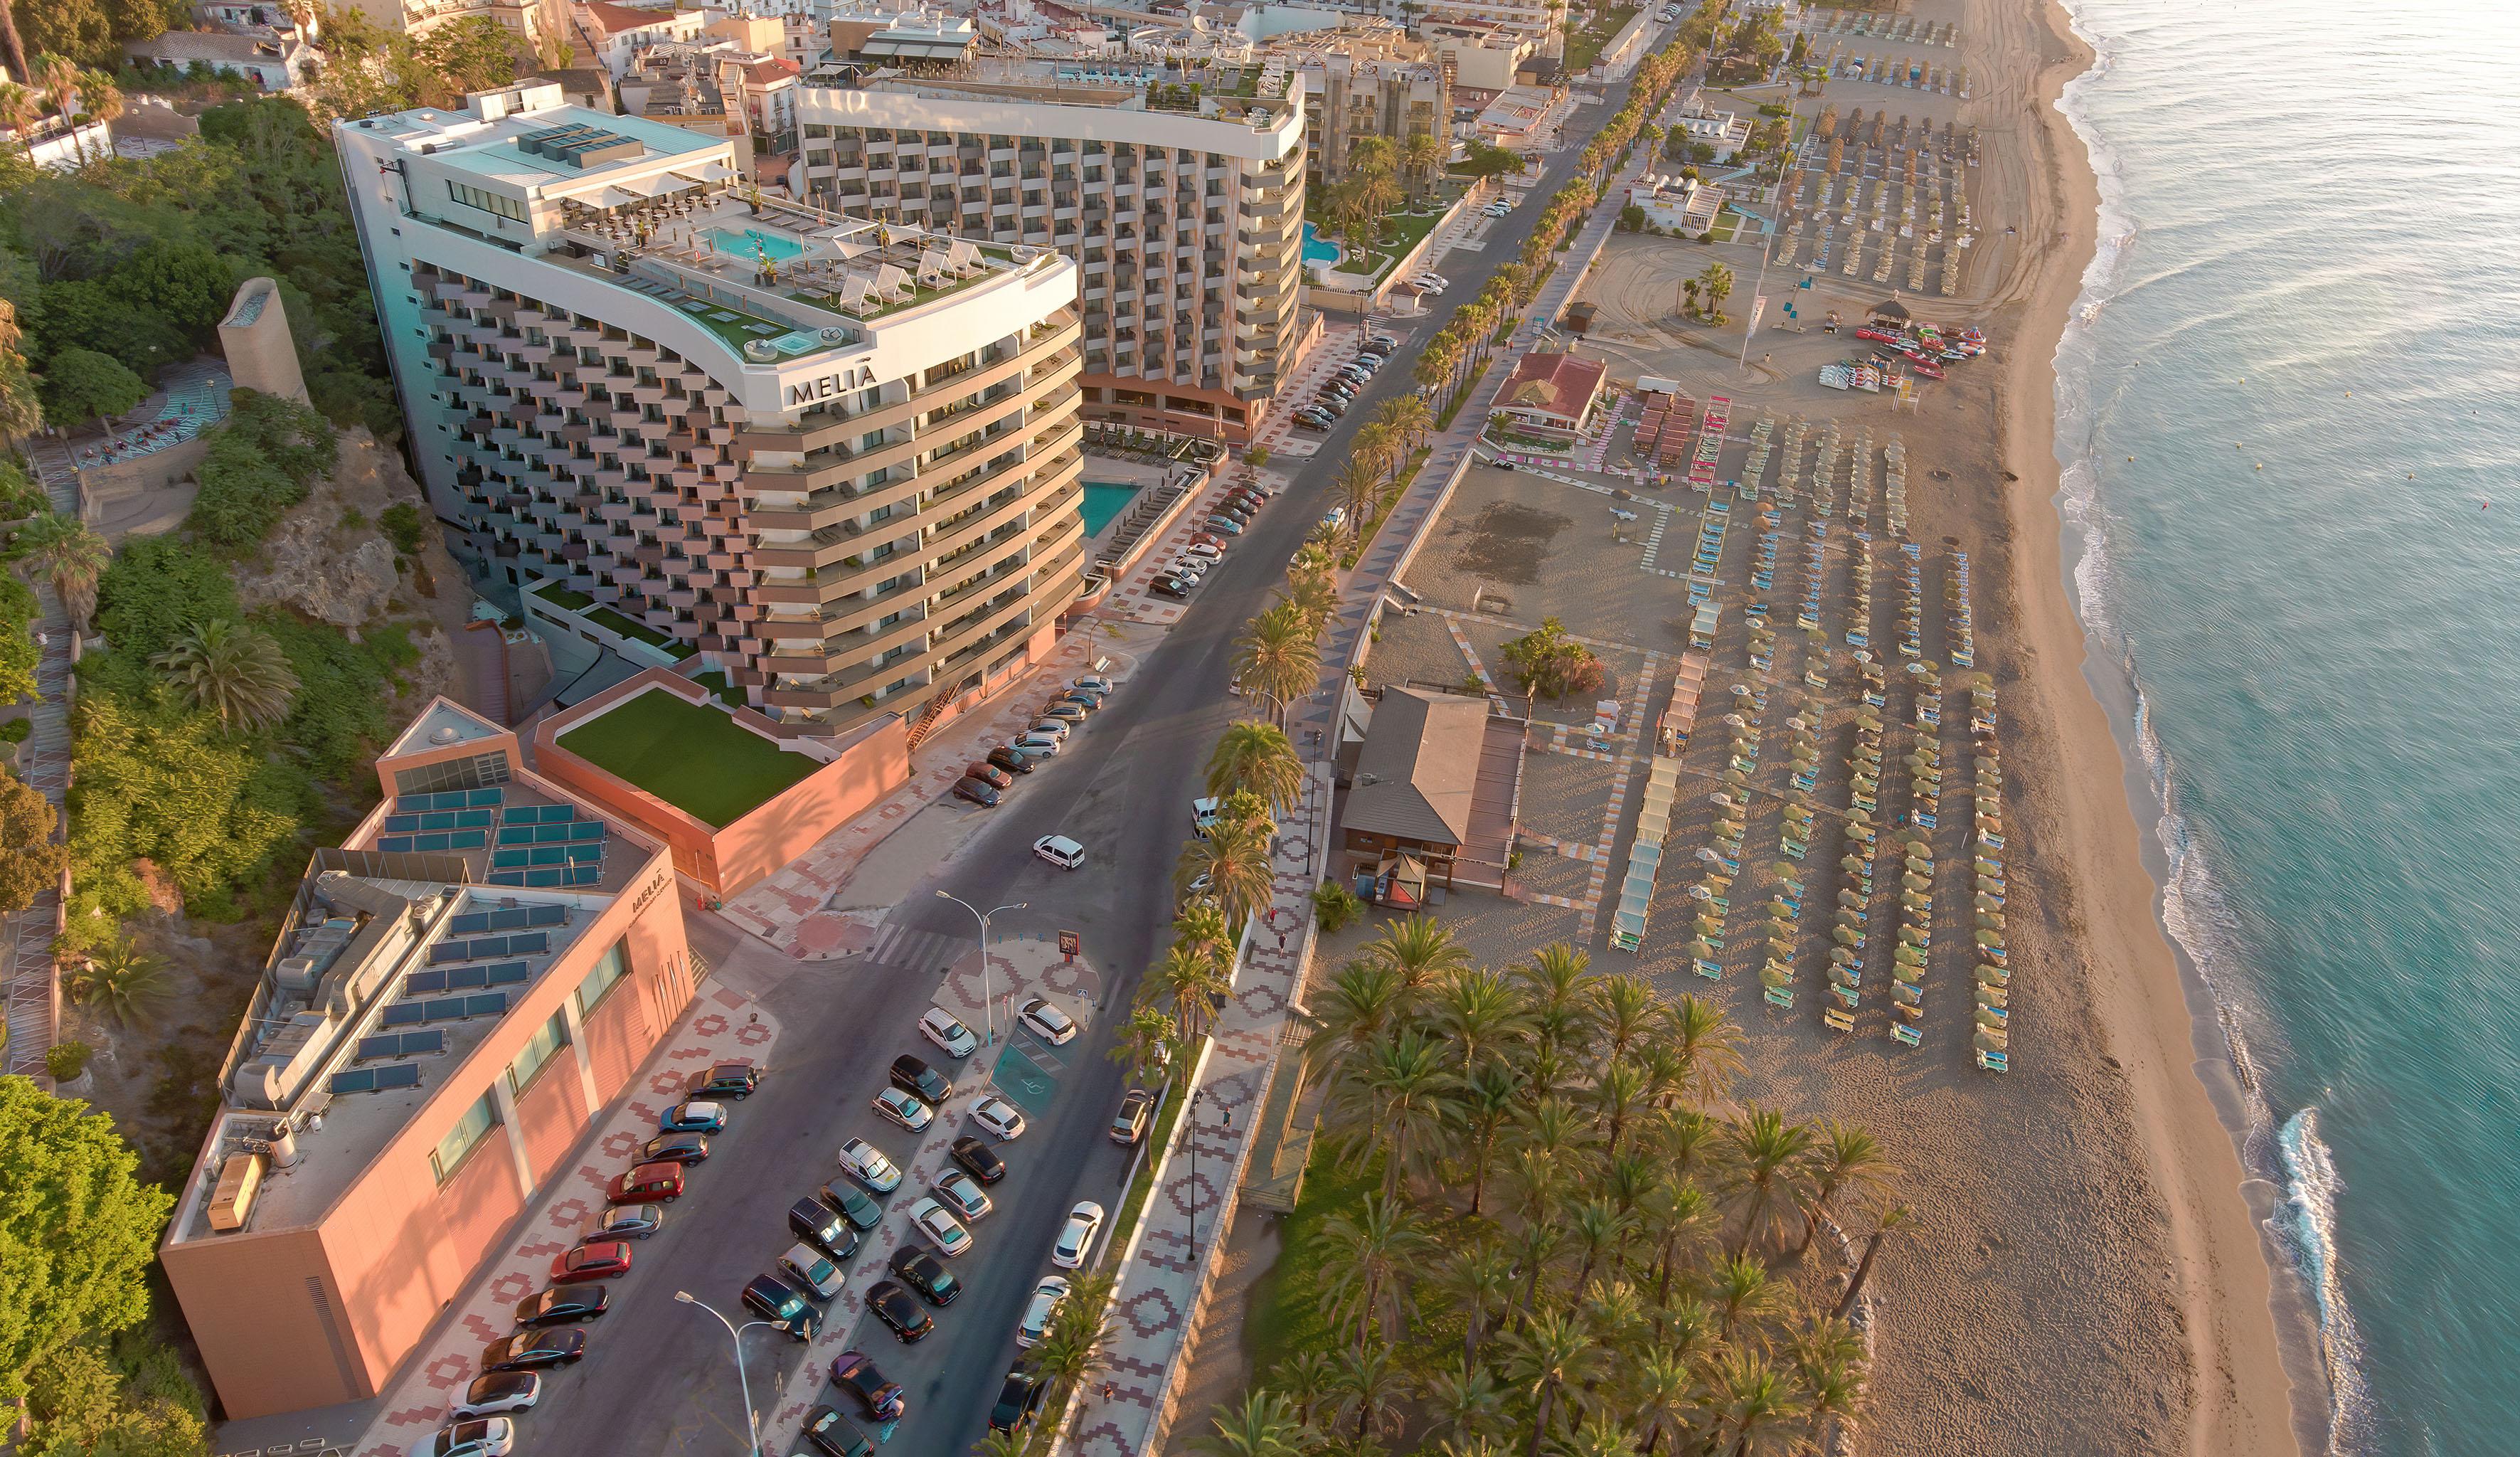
1351, 1012
1675, 1216
1827, 1358
1257, 757
1552, 1352
1145, 1041
1003, 1443
1423, 157
1846, 1158
1484, 1102
1359, 482
63, 550
1741, 1288
1368, 1384
1477, 1010
1619, 1092
1390, 1102
1071, 1349
1600, 1228
1478, 1283
1755, 1407
1200, 925
1265, 1425
1656, 1391
1765, 1154
1466, 1403
1306, 1376
1278, 655
1715, 283
1709, 1046
18, 108
1421, 948
1312, 596
232, 670
126, 982
1559, 982
1625, 1008
1234, 860
1406, 418
1896, 1216
58, 78
103, 102
1189, 979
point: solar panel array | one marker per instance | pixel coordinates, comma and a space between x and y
451, 799
509, 918
449, 839
577, 830
375, 1079
483, 949
565, 878
442, 819
446, 1009
399, 1045
466, 978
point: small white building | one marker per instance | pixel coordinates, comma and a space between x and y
1724, 131
273, 61
617, 34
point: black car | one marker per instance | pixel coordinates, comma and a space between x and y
1170, 586
675, 1148
925, 1274
978, 791
978, 1158
534, 1350
726, 1080
855, 1205
914, 1076
822, 1227
562, 1306
1011, 762
854, 1372
893, 1306
1312, 419
834, 1435
1017, 1400
768, 1296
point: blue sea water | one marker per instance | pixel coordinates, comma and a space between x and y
2284, 409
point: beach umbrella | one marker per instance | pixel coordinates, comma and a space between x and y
1988, 1039
1990, 921
1915, 882
1780, 909
1801, 763
1709, 856
1992, 996
1907, 955
1840, 956
1850, 899
1989, 941
1914, 936
1737, 779
1701, 950
1846, 936
1991, 974
1989, 885
1720, 797
1699, 892
1990, 904
1844, 976
1912, 901
1906, 996
1851, 863
1728, 829
1734, 720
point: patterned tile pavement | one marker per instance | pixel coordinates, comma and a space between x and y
720, 1024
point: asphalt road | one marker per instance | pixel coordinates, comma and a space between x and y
660, 1377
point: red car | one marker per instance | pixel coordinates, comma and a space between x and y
648, 1183
600, 1260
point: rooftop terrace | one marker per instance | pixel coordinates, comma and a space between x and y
693, 756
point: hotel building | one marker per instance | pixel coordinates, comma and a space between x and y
1185, 214
835, 458
458, 991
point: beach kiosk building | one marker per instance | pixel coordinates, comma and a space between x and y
1435, 798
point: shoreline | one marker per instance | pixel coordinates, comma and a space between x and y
2156, 1017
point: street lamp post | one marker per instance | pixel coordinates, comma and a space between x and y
752, 1421
988, 998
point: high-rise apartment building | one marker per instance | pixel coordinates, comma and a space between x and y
1184, 210
1348, 98
834, 458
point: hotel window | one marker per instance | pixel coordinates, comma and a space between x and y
549, 1038
488, 201
610, 970
467, 1134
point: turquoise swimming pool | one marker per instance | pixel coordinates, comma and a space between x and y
1317, 249
1103, 500
753, 242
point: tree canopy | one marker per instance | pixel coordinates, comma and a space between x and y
80, 384
260, 464
77, 1230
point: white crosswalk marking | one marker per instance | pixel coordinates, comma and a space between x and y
928, 951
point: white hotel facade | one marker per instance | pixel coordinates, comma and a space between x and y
835, 459
1186, 221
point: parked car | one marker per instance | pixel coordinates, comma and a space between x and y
1018, 1398
1076, 1238
854, 1372
1201, 551
1037, 746
562, 1306
1314, 418
1012, 763
1060, 850
495, 1438
1198, 539
602, 1260
835, 1436
1000, 1116
990, 774
866, 1163
1175, 587
977, 791
1094, 683
1083, 698
634, 1221
914, 1076
1335, 517
853, 1205
675, 1148
825, 1228
924, 1273
962, 1193
897, 1107
771, 1298
692, 1115
976, 1157
947, 1032
938, 1223
1046, 1296
807, 1268
734, 1079
1064, 711
1385, 342
1055, 728
1225, 526
534, 1350
900, 1313
1047, 1023
1137, 1110
498, 1392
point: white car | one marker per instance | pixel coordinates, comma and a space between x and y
938, 1223
1060, 850
500, 1391
494, 1438
866, 1164
1040, 745
999, 1117
898, 1107
1051, 728
1047, 1022
811, 1270
964, 1195
1076, 1240
947, 1031
1046, 1296
1094, 683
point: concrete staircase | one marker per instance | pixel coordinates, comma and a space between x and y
33, 996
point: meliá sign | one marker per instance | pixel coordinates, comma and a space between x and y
828, 387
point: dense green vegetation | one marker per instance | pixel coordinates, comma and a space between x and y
260, 463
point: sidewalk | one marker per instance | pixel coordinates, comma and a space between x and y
1165, 1273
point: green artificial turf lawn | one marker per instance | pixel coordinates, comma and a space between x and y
692, 756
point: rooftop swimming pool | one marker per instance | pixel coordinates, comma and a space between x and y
1103, 500
753, 242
